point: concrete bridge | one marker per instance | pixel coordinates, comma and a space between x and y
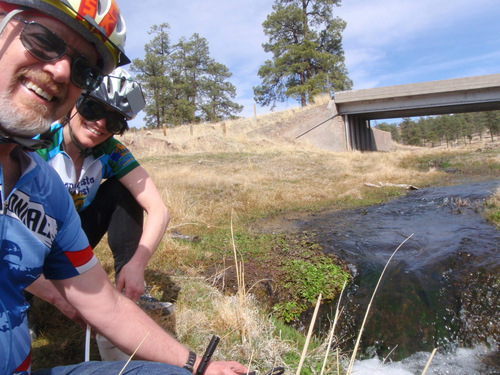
353, 110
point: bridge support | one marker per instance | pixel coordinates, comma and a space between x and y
458, 95
359, 136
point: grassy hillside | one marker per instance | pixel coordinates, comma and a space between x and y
218, 181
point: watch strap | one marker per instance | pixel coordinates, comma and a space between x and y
190, 362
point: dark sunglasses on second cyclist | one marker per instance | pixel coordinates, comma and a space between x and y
92, 110
44, 45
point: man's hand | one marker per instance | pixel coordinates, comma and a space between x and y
225, 368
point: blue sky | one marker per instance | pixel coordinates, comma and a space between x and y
386, 42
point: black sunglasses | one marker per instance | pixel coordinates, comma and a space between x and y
92, 110
44, 45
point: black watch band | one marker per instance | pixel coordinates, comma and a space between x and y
190, 362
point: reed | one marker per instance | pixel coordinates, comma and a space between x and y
358, 340
429, 361
308, 337
331, 334
132, 355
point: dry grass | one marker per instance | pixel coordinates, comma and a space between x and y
220, 175
205, 176
246, 332
213, 174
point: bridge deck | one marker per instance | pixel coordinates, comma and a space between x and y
470, 94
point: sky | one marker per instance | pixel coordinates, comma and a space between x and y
386, 42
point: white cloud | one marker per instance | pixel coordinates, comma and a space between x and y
400, 41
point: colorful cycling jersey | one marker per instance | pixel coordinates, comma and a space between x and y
112, 158
40, 233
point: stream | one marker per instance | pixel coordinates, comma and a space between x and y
440, 290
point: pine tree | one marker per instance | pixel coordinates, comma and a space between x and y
305, 40
217, 92
152, 74
182, 83
491, 121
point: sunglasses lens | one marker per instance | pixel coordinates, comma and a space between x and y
84, 75
115, 123
42, 43
91, 110
47, 46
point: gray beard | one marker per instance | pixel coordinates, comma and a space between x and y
22, 124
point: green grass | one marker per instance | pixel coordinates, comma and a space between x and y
470, 163
298, 268
492, 214
291, 359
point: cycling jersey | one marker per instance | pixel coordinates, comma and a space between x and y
110, 159
40, 233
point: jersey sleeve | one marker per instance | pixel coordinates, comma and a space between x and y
71, 253
120, 160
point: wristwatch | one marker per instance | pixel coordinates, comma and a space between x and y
190, 362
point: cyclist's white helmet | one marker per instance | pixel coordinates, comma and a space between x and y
120, 91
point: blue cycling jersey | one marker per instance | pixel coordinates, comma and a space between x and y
40, 233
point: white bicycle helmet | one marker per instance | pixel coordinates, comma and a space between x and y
99, 21
121, 92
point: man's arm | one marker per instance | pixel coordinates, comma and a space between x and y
121, 321
44, 289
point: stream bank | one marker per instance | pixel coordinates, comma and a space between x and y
440, 290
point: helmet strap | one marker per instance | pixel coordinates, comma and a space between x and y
84, 152
8, 17
31, 144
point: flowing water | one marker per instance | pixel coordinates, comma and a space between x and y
462, 361
441, 289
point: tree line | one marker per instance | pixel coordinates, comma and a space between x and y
444, 129
183, 84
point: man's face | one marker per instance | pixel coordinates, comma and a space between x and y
34, 93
